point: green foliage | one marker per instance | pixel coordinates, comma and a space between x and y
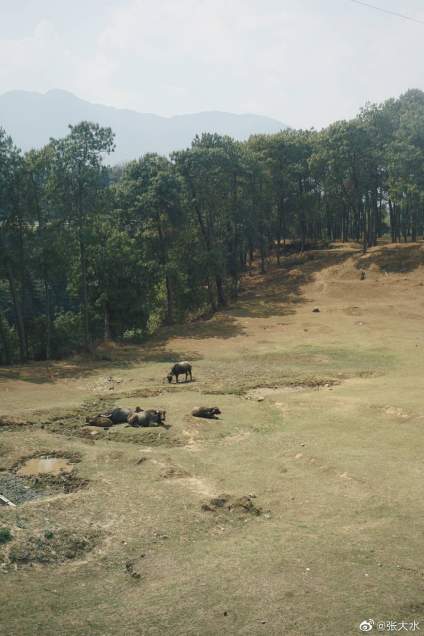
67, 333
5, 535
89, 252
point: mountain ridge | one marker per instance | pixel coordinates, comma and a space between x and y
32, 118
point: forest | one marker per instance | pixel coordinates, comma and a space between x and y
90, 251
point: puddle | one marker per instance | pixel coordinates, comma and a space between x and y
41, 476
44, 466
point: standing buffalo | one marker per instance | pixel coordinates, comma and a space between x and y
178, 369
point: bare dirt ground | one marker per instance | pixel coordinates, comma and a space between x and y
321, 432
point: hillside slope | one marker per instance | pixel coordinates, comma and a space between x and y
321, 426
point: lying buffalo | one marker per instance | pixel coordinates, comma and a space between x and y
151, 417
210, 412
178, 369
99, 420
117, 415
120, 415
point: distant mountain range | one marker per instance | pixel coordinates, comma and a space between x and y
32, 118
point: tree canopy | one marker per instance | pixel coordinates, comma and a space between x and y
91, 252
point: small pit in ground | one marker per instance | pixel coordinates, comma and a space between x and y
45, 466
258, 394
46, 462
230, 503
308, 385
41, 474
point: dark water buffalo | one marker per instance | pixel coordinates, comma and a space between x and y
210, 412
117, 415
151, 417
178, 369
120, 415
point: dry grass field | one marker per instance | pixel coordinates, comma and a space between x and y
320, 447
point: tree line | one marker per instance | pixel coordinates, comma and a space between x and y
90, 252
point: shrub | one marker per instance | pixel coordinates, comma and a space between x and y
5, 535
67, 333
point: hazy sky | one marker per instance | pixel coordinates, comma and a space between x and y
305, 62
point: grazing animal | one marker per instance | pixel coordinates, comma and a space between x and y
178, 369
209, 412
363, 274
151, 417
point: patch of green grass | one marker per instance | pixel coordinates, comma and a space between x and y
5, 535
304, 365
345, 358
52, 547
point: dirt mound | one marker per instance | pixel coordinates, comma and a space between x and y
393, 258
90, 433
108, 383
66, 482
12, 422
51, 546
397, 412
145, 437
353, 311
295, 272
230, 503
174, 472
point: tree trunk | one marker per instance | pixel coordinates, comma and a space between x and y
23, 352
212, 302
49, 320
280, 230
169, 300
220, 291
7, 358
251, 256
25, 283
263, 256
414, 223
164, 262
107, 329
84, 294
